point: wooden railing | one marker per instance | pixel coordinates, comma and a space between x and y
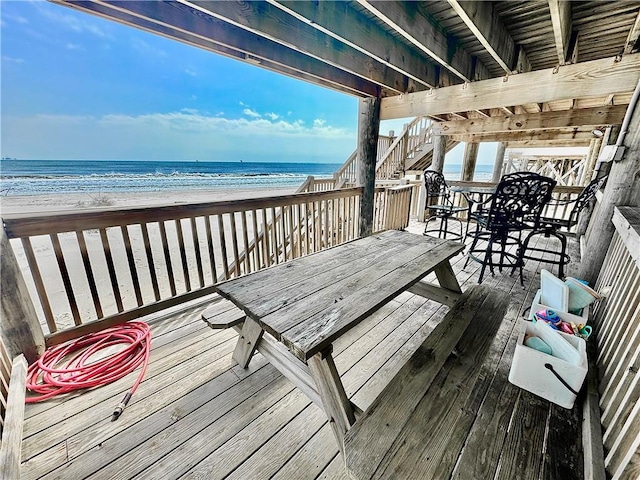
552, 210
91, 269
398, 208
415, 185
617, 328
392, 152
312, 184
349, 170
407, 144
567, 171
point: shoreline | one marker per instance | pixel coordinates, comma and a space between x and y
74, 201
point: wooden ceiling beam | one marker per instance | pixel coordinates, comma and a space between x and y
485, 24
584, 117
577, 134
342, 22
548, 143
561, 21
596, 78
269, 22
407, 19
173, 22
632, 39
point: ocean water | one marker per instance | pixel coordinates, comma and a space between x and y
46, 177
43, 177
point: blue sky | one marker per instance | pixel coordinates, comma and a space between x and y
75, 86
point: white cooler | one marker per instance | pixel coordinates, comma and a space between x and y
568, 366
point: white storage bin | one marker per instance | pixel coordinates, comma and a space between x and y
567, 317
530, 368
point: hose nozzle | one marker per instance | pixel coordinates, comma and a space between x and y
120, 408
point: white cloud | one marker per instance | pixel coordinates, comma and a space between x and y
14, 18
12, 59
251, 113
146, 49
73, 22
187, 134
319, 122
74, 46
272, 116
191, 72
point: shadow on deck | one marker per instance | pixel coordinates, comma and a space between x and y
197, 415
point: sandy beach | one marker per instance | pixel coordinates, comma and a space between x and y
50, 271
43, 203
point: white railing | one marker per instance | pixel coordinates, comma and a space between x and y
617, 327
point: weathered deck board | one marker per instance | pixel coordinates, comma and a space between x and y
196, 414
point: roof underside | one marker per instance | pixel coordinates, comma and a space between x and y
387, 49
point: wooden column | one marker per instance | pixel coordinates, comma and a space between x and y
368, 127
623, 188
497, 166
469, 161
590, 162
439, 151
20, 328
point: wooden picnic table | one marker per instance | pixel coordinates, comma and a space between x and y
304, 305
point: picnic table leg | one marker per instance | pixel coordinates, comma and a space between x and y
446, 277
334, 399
247, 342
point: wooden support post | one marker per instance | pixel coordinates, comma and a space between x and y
334, 399
247, 342
592, 158
497, 166
623, 188
469, 161
20, 327
439, 151
368, 127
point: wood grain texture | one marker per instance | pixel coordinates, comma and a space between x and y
11, 446
605, 115
586, 79
247, 342
334, 399
20, 328
369, 442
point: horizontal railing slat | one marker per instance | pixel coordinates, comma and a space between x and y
28, 225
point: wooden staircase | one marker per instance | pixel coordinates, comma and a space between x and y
411, 150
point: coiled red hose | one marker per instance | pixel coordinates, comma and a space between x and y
69, 366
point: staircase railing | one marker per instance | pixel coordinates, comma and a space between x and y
406, 145
392, 152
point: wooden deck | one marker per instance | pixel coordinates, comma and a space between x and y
197, 415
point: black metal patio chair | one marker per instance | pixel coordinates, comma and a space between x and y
439, 206
549, 226
478, 210
515, 206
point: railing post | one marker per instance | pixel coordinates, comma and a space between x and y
20, 328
